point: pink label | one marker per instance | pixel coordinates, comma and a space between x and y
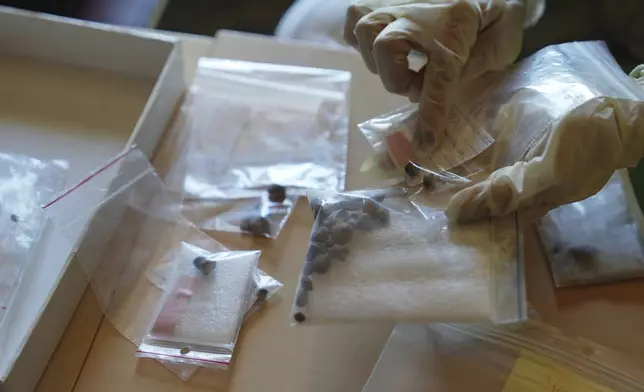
175, 305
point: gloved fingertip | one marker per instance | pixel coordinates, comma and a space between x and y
468, 205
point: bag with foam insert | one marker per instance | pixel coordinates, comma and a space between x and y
199, 317
376, 256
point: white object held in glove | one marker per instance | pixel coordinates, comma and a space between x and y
462, 39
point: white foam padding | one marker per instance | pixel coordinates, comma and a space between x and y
415, 270
216, 309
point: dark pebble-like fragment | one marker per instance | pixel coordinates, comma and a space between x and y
302, 298
258, 226
204, 265
14, 218
321, 235
342, 233
262, 294
306, 283
321, 264
342, 216
428, 181
276, 193
584, 255
364, 223
197, 261
299, 317
339, 253
371, 208
411, 170
315, 250
383, 216
353, 218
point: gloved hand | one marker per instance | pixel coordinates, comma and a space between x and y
461, 39
572, 161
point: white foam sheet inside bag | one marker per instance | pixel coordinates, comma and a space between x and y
414, 270
213, 314
212, 311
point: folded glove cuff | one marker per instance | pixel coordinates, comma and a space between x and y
534, 10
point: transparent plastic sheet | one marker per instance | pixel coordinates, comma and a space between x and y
376, 256
508, 110
264, 288
251, 126
198, 320
130, 226
534, 357
595, 240
25, 184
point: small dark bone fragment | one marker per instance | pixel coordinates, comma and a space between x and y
204, 265
299, 317
339, 253
14, 218
262, 294
276, 193
411, 170
306, 283
584, 255
354, 217
364, 223
321, 235
302, 298
315, 250
321, 264
428, 181
342, 233
383, 216
342, 215
371, 208
258, 226
377, 212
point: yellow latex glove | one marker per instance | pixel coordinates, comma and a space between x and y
570, 161
461, 40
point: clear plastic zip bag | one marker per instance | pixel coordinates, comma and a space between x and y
263, 289
266, 128
25, 184
508, 111
262, 217
595, 240
376, 256
275, 126
199, 318
534, 357
130, 226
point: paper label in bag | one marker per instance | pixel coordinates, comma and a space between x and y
463, 140
534, 373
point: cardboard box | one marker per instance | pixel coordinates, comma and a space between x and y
81, 92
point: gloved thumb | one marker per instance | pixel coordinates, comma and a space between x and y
502, 193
